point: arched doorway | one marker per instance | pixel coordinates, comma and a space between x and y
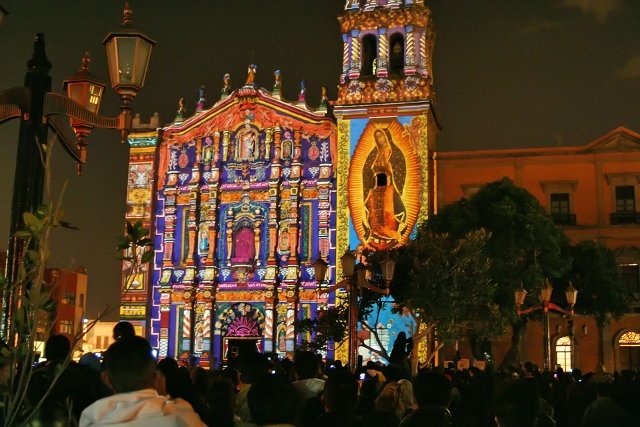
240, 327
628, 350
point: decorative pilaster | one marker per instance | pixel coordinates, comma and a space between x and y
345, 53
383, 53
354, 72
409, 51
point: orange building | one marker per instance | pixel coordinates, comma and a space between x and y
70, 295
592, 191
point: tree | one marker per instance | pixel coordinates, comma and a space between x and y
445, 283
525, 246
595, 273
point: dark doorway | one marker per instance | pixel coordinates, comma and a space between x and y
239, 347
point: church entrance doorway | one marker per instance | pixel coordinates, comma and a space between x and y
237, 347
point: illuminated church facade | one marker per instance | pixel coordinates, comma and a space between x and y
243, 197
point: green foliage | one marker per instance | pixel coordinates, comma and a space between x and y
329, 325
446, 282
525, 245
595, 274
135, 242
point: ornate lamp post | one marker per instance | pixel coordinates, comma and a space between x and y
41, 110
571, 294
348, 263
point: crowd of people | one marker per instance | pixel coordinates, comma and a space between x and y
130, 388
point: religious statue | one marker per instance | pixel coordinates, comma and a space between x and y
181, 110
277, 82
324, 101
251, 75
385, 213
226, 89
303, 91
201, 99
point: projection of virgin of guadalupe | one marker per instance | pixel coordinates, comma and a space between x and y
243, 196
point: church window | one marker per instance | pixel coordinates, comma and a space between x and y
396, 54
369, 55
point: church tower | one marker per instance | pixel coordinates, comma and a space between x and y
387, 127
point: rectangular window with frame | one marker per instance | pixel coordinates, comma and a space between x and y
560, 209
560, 203
625, 199
629, 278
66, 327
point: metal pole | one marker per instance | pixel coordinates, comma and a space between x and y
573, 342
28, 184
545, 338
353, 324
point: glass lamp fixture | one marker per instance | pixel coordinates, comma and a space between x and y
546, 291
388, 269
128, 55
320, 267
86, 90
348, 262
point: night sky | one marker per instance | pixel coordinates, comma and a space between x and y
507, 74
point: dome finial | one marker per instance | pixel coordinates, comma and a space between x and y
127, 14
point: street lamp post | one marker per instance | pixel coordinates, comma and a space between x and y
571, 294
41, 110
348, 263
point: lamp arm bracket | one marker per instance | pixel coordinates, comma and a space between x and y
13, 102
57, 104
67, 138
528, 310
559, 309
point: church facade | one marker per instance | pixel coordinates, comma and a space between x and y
245, 195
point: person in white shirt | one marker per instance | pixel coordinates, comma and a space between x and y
131, 374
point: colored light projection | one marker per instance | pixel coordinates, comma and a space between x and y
384, 185
140, 185
243, 209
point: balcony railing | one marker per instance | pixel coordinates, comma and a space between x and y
564, 218
625, 218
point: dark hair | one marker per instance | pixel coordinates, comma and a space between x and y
272, 400
518, 404
305, 365
430, 388
57, 347
123, 330
129, 364
340, 392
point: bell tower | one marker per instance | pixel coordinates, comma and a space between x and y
387, 127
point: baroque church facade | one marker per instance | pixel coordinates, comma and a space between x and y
245, 195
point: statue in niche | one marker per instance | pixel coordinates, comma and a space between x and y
199, 339
287, 148
247, 144
243, 245
203, 240
283, 241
